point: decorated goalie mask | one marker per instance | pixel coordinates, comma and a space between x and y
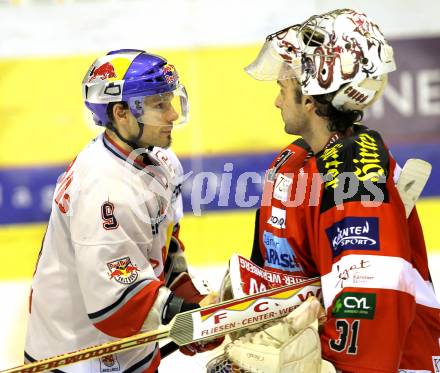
341, 51
146, 82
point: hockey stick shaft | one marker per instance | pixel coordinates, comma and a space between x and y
168, 349
191, 326
92, 352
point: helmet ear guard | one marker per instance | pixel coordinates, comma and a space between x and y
359, 95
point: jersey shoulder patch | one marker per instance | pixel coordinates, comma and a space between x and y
290, 159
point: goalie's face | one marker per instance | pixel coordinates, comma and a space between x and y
291, 104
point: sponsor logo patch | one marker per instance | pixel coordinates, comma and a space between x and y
282, 187
170, 74
436, 363
109, 363
103, 72
354, 233
123, 271
281, 159
363, 157
277, 218
356, 273
279, 254
355, 305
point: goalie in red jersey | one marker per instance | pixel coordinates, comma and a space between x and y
330, 206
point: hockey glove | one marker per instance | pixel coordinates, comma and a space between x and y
289, 345
202, 346
175, 262
192, 290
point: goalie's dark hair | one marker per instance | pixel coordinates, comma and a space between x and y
338, 120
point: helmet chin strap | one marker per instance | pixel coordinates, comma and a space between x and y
132, 143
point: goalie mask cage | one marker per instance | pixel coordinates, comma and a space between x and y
221, 364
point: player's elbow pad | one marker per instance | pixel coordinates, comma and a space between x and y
175, 305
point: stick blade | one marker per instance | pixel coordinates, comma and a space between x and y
182, 329
223, 318
412, 180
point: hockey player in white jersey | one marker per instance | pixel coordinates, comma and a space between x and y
111, 250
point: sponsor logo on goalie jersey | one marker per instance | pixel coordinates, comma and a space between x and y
277, 218
360, 271
436, 363
360, 161
279, 254
354, 233
123, 271
355, 305
282, 187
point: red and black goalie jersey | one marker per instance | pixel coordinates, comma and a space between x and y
338, 215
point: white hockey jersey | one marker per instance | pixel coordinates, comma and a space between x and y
100, 270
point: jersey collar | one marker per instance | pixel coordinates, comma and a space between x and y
121, 153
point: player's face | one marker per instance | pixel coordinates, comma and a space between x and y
292, 112
158, 118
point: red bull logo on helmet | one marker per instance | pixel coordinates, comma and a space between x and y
170, 74
103, 72
123, 271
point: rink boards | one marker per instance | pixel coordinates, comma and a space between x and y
234, 129
209, 240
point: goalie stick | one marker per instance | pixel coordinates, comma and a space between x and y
412, 180
196, 325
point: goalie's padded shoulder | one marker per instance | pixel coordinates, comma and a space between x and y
364, 155
290, 159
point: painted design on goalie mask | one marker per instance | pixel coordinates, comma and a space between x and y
329, 53
123, 271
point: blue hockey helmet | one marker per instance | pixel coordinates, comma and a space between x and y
131, 75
